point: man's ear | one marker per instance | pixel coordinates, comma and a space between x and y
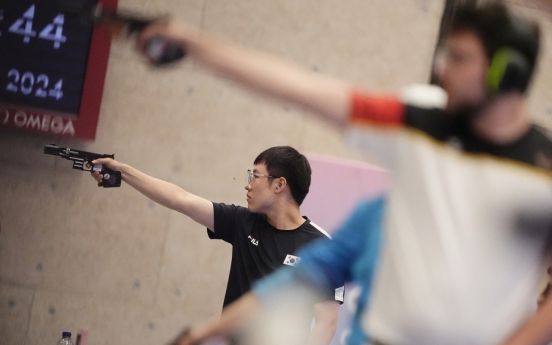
281, 184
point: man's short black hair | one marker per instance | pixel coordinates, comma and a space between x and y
287, 162
497, 27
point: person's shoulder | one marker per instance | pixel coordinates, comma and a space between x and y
234, 207
232, 210
315, 230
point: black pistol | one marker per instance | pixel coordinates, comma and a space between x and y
161, 52
82, 160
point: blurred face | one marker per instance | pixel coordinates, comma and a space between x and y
461, 68
260, 191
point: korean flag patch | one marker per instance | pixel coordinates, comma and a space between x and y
291, 260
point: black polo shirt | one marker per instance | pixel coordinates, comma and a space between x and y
258, 248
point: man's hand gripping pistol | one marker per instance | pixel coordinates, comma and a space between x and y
82, 160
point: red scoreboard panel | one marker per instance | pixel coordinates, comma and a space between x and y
52, 67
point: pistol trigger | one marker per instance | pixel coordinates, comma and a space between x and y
87, 166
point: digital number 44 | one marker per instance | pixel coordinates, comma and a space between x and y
53, 31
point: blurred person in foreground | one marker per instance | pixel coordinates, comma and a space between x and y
469, 214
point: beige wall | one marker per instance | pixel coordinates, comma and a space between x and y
540, 105
73, 255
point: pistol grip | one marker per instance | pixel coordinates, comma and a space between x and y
111, 178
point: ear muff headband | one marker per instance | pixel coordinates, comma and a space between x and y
509, 71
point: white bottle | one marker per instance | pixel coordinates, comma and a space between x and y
65, 339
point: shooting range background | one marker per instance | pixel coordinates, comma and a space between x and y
73, 255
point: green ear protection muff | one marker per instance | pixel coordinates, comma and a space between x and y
509, 71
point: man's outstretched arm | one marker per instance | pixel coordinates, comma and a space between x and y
264, 73
163, 193
325, 322
234, 318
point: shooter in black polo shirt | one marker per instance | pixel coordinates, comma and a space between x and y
264, 236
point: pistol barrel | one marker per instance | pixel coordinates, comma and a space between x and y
52, 150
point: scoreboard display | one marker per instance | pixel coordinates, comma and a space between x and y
52, 67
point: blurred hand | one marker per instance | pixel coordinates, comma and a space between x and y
170, 33
184, 338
